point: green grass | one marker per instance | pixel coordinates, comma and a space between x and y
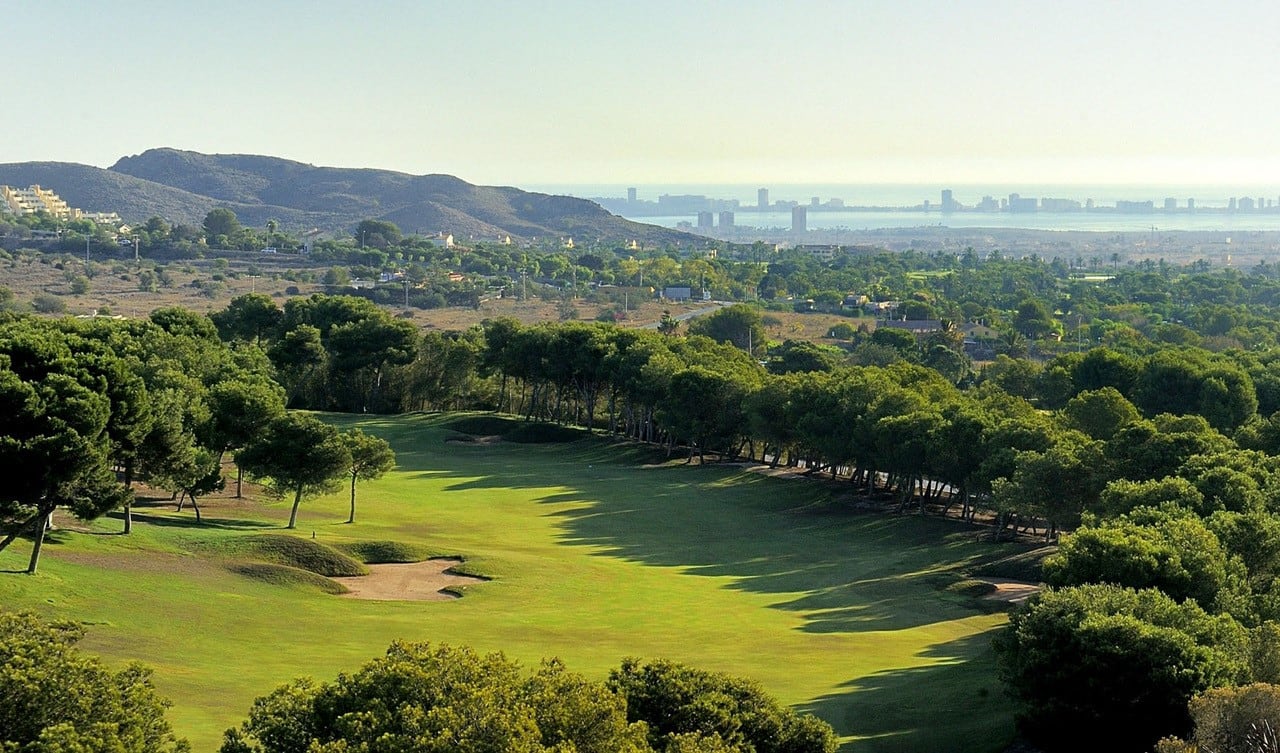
290, 551
596, 551
291, 577
379, 552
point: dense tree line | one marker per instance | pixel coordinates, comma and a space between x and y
92, 406
1152, 452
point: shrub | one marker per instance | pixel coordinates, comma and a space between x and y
45, 303
53, 698
1231, 719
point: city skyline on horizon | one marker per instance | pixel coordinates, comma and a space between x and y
573, 92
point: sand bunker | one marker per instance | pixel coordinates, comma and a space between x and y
415, 581
1012, 591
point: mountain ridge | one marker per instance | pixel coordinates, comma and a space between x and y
182, 186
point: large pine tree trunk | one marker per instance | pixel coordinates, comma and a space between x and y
352, 517
293, 514
44, 520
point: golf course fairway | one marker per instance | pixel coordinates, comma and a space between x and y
594, 550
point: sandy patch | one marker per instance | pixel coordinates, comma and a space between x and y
1012, 591
414, 581
473, 439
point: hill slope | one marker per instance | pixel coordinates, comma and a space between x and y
183, 186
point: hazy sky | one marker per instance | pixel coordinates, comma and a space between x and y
605, 91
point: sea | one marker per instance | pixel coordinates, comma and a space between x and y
890, 205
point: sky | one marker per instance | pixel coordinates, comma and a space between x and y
660, 92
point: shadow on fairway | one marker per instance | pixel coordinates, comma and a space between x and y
844, 570
172, 522
886, 710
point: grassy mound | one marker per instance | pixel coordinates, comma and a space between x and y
544, 434
292, 551
972, 588
379, 552
483, 426
514, 430
289, 577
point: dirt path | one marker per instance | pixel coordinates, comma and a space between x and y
415, 581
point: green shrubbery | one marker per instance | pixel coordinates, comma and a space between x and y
53, 699
439, 698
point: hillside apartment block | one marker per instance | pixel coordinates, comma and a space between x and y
34, 199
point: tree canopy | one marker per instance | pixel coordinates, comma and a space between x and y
56, 699
453, 700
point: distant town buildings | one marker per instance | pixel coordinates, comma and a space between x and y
1059, 205
726, 220
762, 199
799, 220
23, 201
704, 220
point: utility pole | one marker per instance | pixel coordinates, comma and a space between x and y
135, 250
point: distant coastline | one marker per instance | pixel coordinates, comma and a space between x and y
1094, 208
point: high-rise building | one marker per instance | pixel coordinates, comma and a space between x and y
1018, 204
948, 201
815, 201
1191, 203
631, 195
704, 220
799, 220
726, 220
762, 199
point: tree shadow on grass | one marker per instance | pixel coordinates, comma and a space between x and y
843, 569
887, 711
208, 522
